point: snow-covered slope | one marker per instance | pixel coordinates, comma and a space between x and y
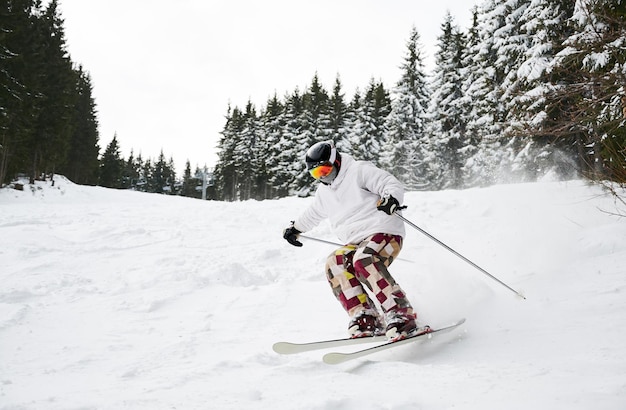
123, 300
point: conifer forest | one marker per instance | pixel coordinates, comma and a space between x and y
532, 89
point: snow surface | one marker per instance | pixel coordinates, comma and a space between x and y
124, 300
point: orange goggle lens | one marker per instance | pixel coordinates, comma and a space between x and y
321, 171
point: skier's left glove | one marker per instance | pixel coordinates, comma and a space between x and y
291, 235
388, 204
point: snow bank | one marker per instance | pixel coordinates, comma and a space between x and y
116, 299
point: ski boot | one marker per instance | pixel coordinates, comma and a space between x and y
402, 325
365, 323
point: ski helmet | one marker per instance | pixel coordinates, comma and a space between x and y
323, 161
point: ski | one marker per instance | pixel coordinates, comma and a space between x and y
293, 348
336, 357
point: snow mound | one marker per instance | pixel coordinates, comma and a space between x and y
118, 299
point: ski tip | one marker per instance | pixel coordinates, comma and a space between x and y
283, 348
335, 358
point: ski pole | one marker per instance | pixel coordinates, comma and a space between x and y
338, 244
320, 240
458, 254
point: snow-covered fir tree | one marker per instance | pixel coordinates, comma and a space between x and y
309, 124
479, 82
406, 150
273, 125
354, 122
292, 145
368, 136
112, 166
226, 167
339, 118
494, 57
474, 164
595, 63
446, 131
246, 154
543, 26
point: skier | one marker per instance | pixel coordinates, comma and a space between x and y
359, 200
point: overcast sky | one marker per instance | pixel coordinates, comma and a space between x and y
164, 72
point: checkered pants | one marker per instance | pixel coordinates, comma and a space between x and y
351, 266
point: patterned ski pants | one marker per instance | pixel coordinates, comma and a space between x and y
351, 266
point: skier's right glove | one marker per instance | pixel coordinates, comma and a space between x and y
291, 235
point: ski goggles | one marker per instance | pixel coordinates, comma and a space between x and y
321, 170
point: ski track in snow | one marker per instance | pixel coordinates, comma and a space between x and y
123, 300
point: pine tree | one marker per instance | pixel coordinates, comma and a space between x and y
16, 36
528, 154
130, 173
138, 167
111, 166
226, 175
486, 69
594, 62
338, 112
148, 171
448, 119
190, 183
161, 175
307, 123
245, 156
316, 105
404, 151
56, 98
369, 138
81, 165
477, 169
355, 124
172, 183
273, 125
544, 26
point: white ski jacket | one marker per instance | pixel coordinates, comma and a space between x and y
349, 203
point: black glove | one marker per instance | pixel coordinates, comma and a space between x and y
291, 235
388, 204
